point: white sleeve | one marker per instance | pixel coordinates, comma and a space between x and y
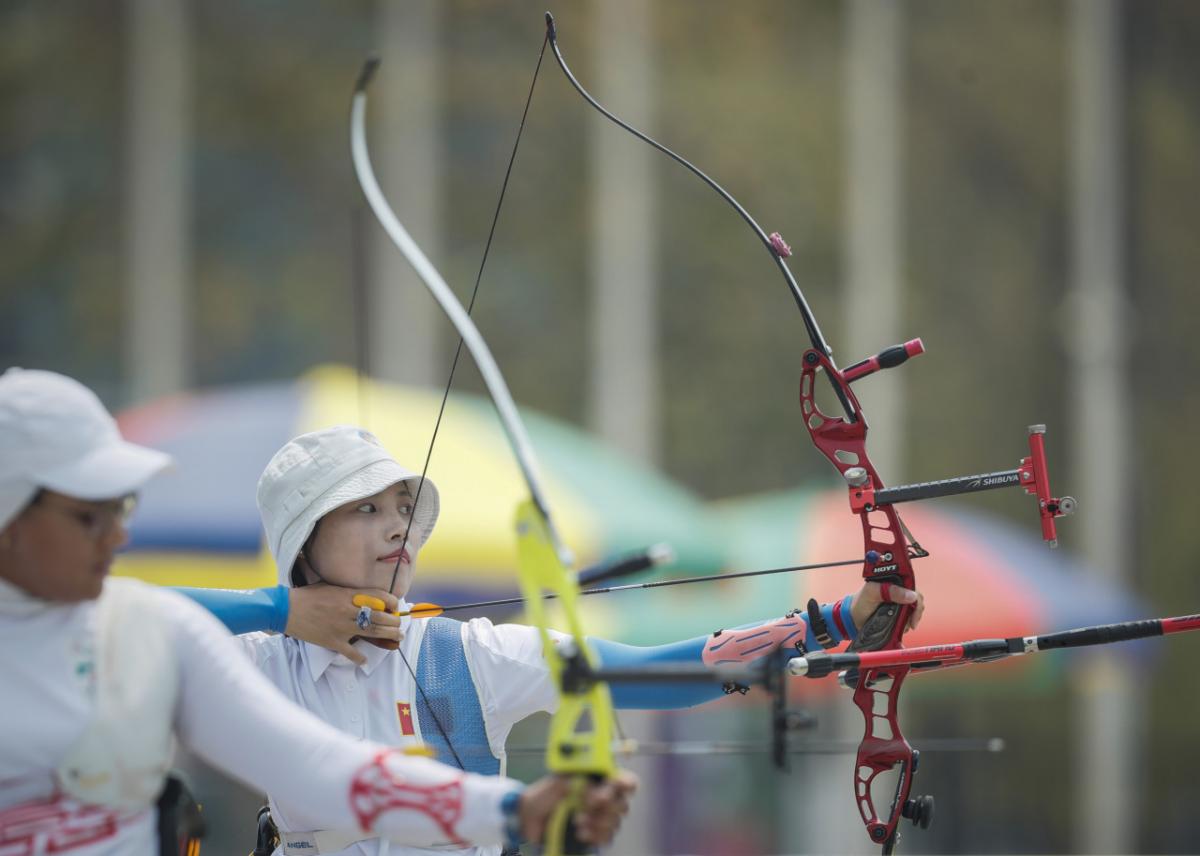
259, 647
231, 716
510, 674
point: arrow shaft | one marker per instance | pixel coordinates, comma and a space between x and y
506, 601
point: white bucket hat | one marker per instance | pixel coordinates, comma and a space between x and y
55, 433
317, 472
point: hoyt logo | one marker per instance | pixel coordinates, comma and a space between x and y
885, 569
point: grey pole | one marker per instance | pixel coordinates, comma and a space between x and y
158, 249
623, 384
1098, 348
873, 235
403, 323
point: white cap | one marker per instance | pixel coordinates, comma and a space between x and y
55, 433
317, 472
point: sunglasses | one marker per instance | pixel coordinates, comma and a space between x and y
97, 519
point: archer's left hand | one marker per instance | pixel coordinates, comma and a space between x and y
605, 804
872, 595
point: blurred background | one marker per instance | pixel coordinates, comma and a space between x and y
1014, 182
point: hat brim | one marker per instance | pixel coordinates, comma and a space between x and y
112, 470
368, 481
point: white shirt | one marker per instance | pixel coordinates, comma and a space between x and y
507, 668
226, 713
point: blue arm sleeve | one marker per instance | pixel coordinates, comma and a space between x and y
244, 611
847, 618
674, 696
667, 696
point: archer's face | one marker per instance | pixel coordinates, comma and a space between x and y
359, 544
61, 548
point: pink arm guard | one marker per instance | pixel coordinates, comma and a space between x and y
740, 646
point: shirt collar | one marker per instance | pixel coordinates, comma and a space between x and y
319, 659
16, 602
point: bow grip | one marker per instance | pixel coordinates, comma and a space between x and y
877, 630
562, 823
572, 846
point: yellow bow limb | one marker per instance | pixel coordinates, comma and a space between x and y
582, 729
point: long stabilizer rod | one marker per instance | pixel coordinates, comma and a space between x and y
818, 665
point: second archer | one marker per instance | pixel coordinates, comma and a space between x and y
339, 510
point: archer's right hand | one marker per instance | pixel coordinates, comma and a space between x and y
324, 615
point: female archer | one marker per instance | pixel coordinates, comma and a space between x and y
100, 675
341, 515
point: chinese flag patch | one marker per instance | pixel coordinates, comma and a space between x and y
404, 711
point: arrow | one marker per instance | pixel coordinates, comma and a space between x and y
431, 610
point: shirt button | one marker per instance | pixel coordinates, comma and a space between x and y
354, 718
350, 687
